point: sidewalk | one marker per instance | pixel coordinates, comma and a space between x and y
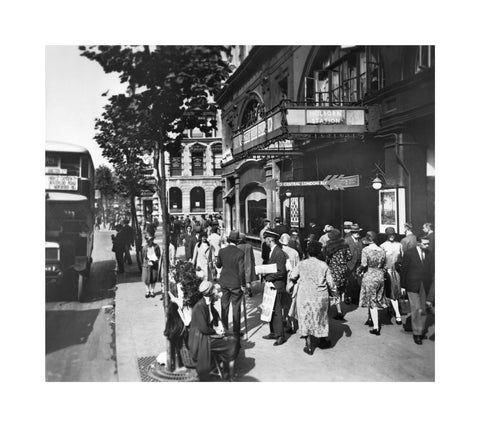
355, 354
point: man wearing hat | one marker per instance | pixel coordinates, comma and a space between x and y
347, 226
265, 248
352, 292
277, 280
232, 280
292, 262
314, 229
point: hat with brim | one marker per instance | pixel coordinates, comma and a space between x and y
205, 287
234, 236
355, 228
284, 239
271, 233
327, 228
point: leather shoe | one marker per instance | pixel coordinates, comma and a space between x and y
375, 331
398, 321
269, 337
280, 341
308, 350
369, 322
417, 339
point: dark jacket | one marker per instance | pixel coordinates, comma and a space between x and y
279, 279
231, 260
199, 334
414, 271
249, 261
356, 251
190, 242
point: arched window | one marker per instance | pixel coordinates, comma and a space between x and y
197, 199
175, 199
252, 112
217, 199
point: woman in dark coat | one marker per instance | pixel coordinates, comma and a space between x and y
206, 336
151, 265
337, 255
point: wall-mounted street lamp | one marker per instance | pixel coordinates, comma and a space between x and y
288, 193
377, 183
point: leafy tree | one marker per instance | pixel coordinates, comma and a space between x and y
174, 88
120, 137
105, 183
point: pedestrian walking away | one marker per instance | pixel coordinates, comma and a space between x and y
249, 263
394, 253
289, 310
352, 291
337, 255
372, 267
315, 284
189, 240
151, 265
232, 280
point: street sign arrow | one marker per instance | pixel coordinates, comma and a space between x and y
340, 182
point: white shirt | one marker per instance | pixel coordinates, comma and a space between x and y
420, 253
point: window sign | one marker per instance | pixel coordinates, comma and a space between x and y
59, 182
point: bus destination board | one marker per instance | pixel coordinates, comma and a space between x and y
68, 183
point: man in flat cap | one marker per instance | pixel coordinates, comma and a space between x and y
277, 280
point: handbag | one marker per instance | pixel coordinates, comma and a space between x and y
404, 304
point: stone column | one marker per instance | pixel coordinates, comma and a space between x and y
208, 161
237, 203
268, 176
186, 161
277, 210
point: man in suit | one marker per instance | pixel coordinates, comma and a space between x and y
280, 227
232, 280
416, 276
277, 280
265, 248
249, 261
410, 240
313, 229
189, 240
355, 245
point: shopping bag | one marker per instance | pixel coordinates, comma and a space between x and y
404, 304
268, 303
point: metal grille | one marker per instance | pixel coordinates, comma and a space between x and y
144, 365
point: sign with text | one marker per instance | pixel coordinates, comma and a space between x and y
55, 171
326, 117
66, 183
331, 182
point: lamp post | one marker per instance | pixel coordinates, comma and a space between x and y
377, 183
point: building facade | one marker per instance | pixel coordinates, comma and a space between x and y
308, 130
194, 182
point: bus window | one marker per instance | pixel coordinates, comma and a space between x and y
52, 161
84, 167
71, 163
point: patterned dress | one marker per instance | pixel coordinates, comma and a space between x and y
338, 267
372, 292
394, 253
314, 283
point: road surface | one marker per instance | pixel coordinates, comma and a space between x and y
79, 336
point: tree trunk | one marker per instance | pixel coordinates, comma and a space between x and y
159, 157
138, 232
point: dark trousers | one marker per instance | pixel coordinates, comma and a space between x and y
233, 295
128, 258
119, 257
276, 324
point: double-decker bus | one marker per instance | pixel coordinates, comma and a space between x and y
69, 209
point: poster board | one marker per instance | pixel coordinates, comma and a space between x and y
391, 209
268, 303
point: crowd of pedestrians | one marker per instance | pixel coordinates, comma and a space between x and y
330, 268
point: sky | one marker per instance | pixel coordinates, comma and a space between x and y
74, 85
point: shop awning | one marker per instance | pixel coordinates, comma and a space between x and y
64, 197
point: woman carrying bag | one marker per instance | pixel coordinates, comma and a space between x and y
203, 256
